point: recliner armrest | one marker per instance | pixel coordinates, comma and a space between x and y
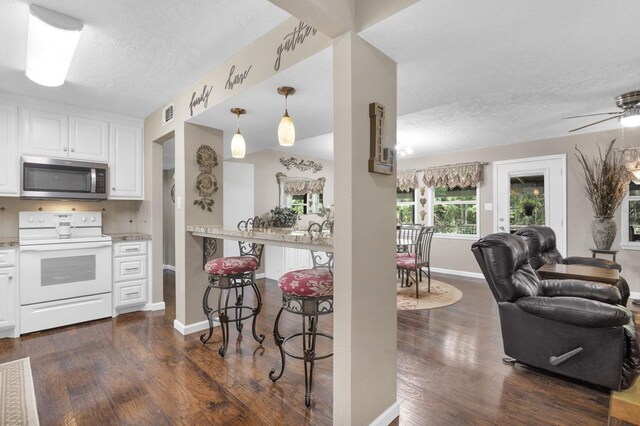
575, 311
589, 261
585, 289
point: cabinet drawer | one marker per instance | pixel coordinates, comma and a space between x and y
130, 268
7, 258
130, 293
130, 248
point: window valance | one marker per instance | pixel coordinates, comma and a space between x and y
462, 175
407, 179
300, 185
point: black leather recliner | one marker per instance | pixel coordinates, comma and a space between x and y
570, 327
542, 249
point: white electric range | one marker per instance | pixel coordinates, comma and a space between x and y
65, 269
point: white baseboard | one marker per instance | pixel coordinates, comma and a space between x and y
458, 273
192, 328
169, 267
260, 276
634, 295
389, 415
154, 306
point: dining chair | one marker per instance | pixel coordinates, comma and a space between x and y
417, 261
406, 241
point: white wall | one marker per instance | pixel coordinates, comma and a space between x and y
238, 201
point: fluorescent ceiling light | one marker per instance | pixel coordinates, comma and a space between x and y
631, 117
52, 41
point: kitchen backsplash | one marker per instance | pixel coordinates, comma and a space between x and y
117, 216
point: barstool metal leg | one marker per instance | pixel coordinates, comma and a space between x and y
309, 344
207, 311
279, 342
259, 337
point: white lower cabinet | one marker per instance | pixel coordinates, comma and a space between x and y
8, 294
130, 276
280, 260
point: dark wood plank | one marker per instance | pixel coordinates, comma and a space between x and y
578, 272
136, 369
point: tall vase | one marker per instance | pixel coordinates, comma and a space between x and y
603, 230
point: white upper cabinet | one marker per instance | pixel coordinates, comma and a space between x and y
45, 134
126, 163
9, 159
88, 139
56, 135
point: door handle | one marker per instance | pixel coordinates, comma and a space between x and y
501, 228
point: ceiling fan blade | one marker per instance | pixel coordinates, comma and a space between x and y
593, 124
592, 115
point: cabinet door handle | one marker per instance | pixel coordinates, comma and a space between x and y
64, 149
132, 249
73, 150
131, 294
131, 269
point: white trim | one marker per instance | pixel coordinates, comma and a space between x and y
192, 328
630, 246
169, 267
634, 295
431, 203
388, 416
458, 273
10, 333
261, 275
159, 306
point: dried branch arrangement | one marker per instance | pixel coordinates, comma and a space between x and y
606, 180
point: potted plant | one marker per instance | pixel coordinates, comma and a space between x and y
528, 205
283, 217
606, 181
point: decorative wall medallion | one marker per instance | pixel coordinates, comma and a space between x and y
206, 182
206, 185
422, 190
423, 213
301, 165
206, 158
423, 201
173, 194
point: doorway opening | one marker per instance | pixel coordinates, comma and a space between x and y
168, 228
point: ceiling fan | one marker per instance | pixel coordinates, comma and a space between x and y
629, 116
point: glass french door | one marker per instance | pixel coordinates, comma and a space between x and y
531, 191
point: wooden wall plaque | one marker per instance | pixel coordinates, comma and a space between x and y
381, 158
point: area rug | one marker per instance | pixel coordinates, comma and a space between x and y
441, 294
17, 397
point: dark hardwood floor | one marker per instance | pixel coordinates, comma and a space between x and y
136, 369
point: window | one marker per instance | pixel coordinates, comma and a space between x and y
455, 210
406, 206
305, 203
631, 217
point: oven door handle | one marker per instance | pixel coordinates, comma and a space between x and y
65, 246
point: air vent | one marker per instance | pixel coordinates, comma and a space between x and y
167, 114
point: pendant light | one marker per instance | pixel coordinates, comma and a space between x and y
238, 146
286, 129
51, 43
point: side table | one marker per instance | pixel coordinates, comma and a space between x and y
612, 253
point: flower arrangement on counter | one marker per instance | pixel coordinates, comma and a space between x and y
282, 217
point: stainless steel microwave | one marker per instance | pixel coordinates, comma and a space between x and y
43, 178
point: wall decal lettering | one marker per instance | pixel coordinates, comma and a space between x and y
291, 40
237, 78
202, 98
302, 165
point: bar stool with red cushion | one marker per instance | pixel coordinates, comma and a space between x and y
232, 275
308, 293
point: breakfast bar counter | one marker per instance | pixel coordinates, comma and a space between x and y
281, 237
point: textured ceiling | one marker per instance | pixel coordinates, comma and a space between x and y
133, 56
494, 72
